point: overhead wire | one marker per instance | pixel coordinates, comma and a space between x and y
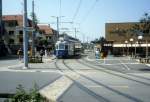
60, 7
77, 10
89, 11
60, 4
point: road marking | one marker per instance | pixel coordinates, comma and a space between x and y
124, 65
119, 64
112, 86
53, 91
93, 59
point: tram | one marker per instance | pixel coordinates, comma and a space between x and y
67, 46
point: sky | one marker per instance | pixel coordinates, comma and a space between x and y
87, 16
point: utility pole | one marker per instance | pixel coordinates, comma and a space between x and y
57, 24
57, 27
1, 23
33, 32
25, 36
75, 33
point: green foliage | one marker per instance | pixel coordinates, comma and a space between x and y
144, 26
35, 59
23, 96
33, 15
43, 42
101, 40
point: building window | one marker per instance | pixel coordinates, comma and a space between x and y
12, 23
20, 40
20, 32
50, 37
11, 41
11, 32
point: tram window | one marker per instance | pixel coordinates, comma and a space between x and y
61, 46
66, 47
56, 46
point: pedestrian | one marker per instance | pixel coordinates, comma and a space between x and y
19, 53
97, 54
41, 53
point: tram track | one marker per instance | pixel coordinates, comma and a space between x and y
91, 65
80, 86
101, 84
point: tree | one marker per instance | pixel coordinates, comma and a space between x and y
33, 15
144, 26
101, 40
145, 20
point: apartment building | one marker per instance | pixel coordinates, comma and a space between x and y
49, 35
13, 32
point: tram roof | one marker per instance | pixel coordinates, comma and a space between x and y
69, 38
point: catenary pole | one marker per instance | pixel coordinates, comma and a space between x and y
1, 25
33, 32
57, 27
25, 36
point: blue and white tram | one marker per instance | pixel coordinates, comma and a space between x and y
64, 49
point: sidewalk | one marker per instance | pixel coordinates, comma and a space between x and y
33, 67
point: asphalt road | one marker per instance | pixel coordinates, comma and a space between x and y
114, 79
119, 64
10, 80
98, 82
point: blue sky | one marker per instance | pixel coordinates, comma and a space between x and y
91, 17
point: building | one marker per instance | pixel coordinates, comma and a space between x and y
13, 32
125, 39
48, 35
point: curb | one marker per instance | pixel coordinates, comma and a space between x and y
148, 65
53, 91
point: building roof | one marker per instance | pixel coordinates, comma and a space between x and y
12, 17
46, 28
18, 18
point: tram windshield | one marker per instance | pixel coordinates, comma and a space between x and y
61, 46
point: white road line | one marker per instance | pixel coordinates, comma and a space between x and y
119, 64
53, 91
124, 65
112, 86
93, 59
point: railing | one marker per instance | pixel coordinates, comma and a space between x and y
144, 60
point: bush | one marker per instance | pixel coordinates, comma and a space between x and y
23, 96
35, 59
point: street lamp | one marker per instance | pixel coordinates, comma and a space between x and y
126, 42
131, 40
135, 48
140, 37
